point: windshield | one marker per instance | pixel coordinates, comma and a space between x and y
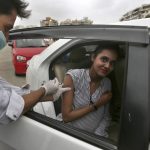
31, 43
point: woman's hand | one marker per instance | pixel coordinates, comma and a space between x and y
104, 99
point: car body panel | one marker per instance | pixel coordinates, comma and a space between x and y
42, 58
135, 122
42, 63
32, 135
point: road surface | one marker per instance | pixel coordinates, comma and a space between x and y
6, 68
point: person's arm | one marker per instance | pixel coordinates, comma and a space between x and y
104, 99
68, 113
13, 102
49, 88
32, 98
11, 105
67, 103
43, 94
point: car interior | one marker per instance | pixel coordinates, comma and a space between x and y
79, 56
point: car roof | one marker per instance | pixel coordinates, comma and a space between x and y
135, 34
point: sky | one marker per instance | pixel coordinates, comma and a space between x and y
99, 11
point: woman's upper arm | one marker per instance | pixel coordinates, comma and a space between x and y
67, 101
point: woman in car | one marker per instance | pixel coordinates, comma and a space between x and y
86, 106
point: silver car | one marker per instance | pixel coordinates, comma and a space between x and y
42, 128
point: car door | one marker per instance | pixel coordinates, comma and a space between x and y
36, 131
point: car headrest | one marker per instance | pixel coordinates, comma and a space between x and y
77, 55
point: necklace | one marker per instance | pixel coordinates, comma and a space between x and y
98, 86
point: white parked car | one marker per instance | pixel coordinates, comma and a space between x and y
42, 128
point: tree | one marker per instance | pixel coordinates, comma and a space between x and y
66, 22
83, 21
49, 22
86, 20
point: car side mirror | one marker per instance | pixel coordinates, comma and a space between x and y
10, 43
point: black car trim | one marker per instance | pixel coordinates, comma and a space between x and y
132, 34
135, 117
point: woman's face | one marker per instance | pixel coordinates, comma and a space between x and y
104, 62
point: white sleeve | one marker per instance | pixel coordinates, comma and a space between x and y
7, 86
11, 105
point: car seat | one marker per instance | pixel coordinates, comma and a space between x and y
77, 59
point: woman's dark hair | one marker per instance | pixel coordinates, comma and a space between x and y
102, 47
6, 6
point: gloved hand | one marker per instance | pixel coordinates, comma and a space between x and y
51, 86
60, 91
